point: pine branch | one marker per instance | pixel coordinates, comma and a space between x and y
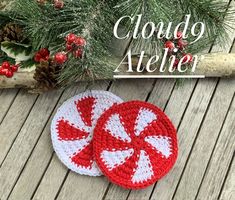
216, 14
95, 63
46, 27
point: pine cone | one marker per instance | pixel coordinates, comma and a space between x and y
46, 75
11, 32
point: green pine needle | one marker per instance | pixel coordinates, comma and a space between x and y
46, 27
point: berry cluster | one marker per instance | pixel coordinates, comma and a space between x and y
43, 55
75, 44
8, 70
177, 47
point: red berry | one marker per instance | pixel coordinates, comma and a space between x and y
37, 57
3, 71
46, 58
44, 52
9, 73
80, 41
175, 65
6, 65
179, 35
182, 44
42, 55
169, 45
14, 68
58, 4
78, 53
188, 58
60, 58
69, 47
70, 38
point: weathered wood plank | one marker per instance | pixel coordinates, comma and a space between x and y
51, 181
128, 90
56, 171
206, 140
186, 135
161, 92
40, 158
14, 120
89, 187
175, 112
6, 99
228, 192
25, 141
220, 160
190, 184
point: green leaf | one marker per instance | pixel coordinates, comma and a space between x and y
4, 58
20, 52
27, 64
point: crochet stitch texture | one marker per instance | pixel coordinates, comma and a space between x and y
135, 144
72, 129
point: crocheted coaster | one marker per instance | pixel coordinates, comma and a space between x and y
135, 144
72, 129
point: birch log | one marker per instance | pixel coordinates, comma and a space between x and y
210, 65
216, 65
19, 80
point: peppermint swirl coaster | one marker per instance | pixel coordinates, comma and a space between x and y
135, 144
72, 129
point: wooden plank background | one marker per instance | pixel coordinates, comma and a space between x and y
202, 110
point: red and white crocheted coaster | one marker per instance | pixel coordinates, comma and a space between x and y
72, 129
135, 144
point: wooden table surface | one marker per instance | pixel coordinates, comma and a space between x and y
203, 110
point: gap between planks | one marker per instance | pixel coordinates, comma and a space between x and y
21, 125
60, 95
9, 171
227, 191
7, 97
45, 125
211, 180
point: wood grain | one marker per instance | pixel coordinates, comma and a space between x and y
187, 133
228, 192
40, 158
6, 99
25, 141
14, 120
206, 141
220, 160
